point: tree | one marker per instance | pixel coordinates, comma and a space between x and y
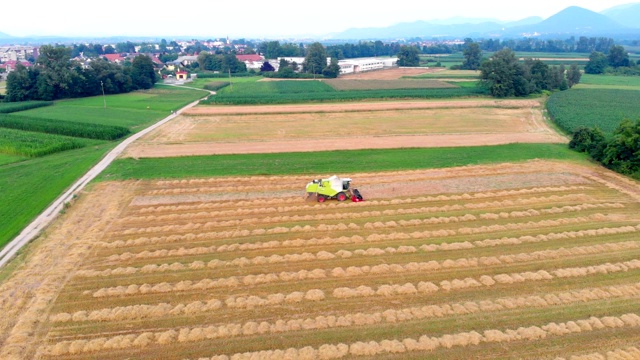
590, 141
618, 57
21, 84
332, 70
143, 73
272, 50
504, 75
472, 56
316, 59
408, 56
623, 150
266, 67
573, 75
597, 63
539, 75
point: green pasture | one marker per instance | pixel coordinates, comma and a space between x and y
29, 185
331, 162
604, 108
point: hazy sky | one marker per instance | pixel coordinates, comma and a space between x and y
251, 18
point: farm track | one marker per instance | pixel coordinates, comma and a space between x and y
516, 255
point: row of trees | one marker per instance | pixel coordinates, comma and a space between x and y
220, 62
620, 153
617, 60
506, 76
56, 76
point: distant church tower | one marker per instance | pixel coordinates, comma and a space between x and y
228, 41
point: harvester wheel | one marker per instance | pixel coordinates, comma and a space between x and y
341, 196
322, 198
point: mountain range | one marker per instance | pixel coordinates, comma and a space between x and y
619, 21
572, 21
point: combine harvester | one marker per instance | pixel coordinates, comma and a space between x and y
332, 188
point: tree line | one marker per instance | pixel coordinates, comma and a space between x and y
56, 76
620, 153
616, 61
506, 76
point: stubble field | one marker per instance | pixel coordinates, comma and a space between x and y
531, 260
238, 130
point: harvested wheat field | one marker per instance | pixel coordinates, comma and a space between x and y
531, 260
345, 127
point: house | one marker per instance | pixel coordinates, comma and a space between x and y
182, 75
252, 61
114, 58
10, 65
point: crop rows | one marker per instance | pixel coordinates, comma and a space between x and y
329, 351
366, 214
60, 127
365, 291
369, 252
258, 277
35, 144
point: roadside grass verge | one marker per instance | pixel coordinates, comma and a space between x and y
29, 186
338, 162
604, 108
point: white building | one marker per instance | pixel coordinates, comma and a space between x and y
17, 53
365, 64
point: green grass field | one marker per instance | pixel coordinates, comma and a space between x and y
333, 162
448, 74
134, 110
284, 92
27, 186
604, 108
609, 82
9, 158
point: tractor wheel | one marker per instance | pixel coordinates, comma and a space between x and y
322, 198
341, 196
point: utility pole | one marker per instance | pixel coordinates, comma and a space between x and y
104, 98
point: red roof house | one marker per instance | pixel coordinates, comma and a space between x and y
251, 57
10, 65
114, 58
